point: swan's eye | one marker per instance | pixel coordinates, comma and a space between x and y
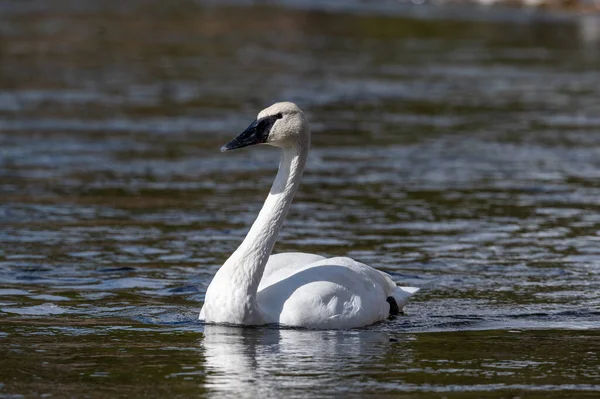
279, 115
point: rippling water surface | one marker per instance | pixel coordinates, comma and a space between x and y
457, 149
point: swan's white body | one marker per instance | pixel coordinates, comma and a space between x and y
254, 287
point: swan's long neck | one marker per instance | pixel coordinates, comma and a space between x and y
258, 244
243, 271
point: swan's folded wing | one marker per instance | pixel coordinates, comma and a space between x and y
330, 293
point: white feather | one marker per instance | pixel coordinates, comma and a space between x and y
254, 287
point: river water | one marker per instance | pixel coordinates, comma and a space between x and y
456, 148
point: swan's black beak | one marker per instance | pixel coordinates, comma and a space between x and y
254, 134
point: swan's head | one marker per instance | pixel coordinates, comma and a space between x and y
280, 125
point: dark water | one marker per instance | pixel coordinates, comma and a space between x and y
458, 149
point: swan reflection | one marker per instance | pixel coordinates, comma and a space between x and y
263, 361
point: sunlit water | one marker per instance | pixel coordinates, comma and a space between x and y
459, 151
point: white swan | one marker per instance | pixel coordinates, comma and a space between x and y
254, 287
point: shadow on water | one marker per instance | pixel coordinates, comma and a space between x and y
456, 149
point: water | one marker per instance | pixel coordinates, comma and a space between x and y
457, 149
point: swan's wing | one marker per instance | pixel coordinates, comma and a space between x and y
288, 261
329, 293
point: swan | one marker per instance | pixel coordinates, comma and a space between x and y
293, 289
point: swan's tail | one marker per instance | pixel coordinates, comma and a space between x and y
401, 295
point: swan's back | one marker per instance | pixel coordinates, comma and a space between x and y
329, 293
286, 260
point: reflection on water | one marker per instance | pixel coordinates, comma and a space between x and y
268, 362
455, 149
240, 361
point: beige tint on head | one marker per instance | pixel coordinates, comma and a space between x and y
285, 107
290, 128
